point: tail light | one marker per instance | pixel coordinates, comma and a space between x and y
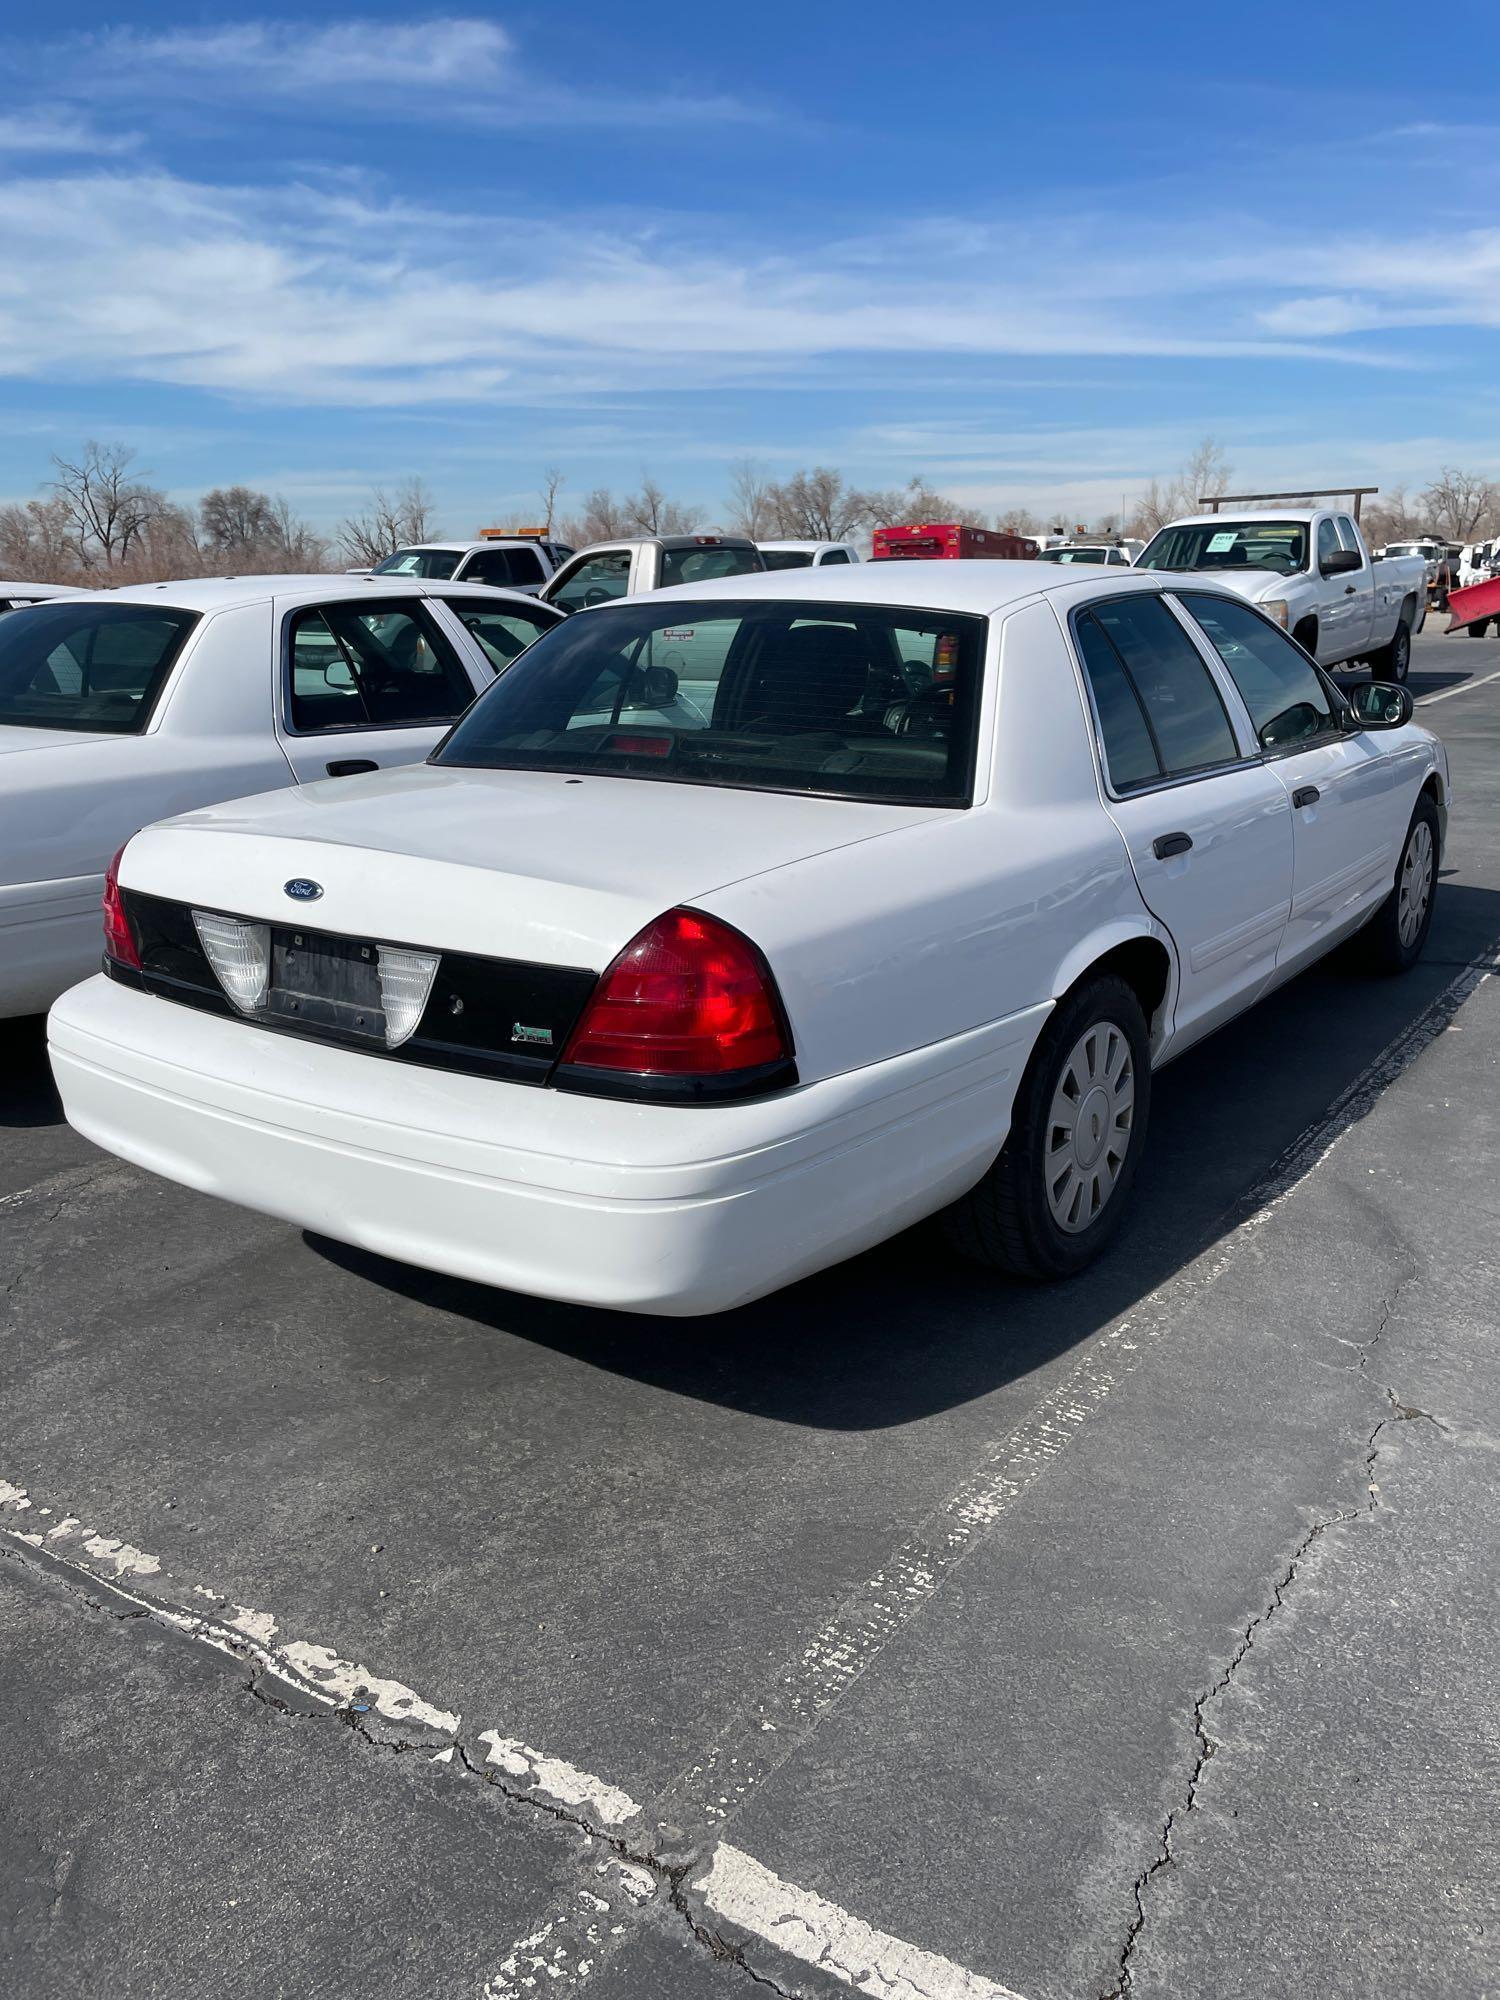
119, 939
688, 998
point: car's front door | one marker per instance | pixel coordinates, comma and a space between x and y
1208, 828
367, 683
1345, 791
592, 578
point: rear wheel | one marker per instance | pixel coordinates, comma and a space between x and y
1396, 936
1393, 662
1061, 1185
1478, 631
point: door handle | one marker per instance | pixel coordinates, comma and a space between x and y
1166, 845
1348, 590
350, 767
1306, 795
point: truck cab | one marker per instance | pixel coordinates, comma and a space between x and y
633, 564
1309, 569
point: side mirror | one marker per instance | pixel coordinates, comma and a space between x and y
655, 687
1381, 705
1341, 562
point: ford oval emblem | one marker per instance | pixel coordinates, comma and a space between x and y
301, 890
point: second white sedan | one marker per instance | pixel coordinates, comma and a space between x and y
738, 928
119, 707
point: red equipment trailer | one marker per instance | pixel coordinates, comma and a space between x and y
950, 541
1474, 606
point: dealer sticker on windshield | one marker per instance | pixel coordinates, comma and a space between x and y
678, 632
1225, 539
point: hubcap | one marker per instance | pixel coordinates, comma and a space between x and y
1088, 1132
1401, 657
1416, 883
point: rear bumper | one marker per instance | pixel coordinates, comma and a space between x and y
645, 1208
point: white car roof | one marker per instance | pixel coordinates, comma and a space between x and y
463, 548
218, 593
810, 547
40, 590
978, 586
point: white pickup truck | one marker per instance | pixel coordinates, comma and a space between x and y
1311, 570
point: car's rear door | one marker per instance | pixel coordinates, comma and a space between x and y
1349, 797
365, 683
1208, 827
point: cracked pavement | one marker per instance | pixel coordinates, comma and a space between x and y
1132, 1637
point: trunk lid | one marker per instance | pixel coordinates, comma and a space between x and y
506, 864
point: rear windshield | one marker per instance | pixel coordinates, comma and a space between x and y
786, 558
1072, 555
419, 562
1280, 546
87, 665
704, 565
849, 701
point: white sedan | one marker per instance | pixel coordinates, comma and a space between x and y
740, 926
121, 707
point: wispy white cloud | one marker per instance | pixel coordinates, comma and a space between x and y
430, 71
294, 296
53, 130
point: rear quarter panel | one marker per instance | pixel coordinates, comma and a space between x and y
964, 921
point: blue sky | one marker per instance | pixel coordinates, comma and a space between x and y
1033, 256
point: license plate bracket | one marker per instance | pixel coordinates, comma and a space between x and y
326, 982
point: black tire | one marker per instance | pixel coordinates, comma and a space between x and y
1006, 1222
1478, 631
1393, 662
1384, 950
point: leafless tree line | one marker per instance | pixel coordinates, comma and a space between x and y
98, 521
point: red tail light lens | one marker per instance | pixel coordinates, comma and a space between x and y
119, 940
687, 997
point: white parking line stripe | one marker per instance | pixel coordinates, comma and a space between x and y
806, 1925
1426, 700
818, 1932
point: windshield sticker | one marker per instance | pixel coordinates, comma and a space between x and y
678, 632
1225, 539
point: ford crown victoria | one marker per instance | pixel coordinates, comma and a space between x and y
738, 927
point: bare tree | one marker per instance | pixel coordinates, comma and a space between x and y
751, 511
368, 538
603, 519
295, 545
908, 506
34, 541
235, 520
553, 481
413, 512
1016, 521
107, 510
652, 513
1206, 474
817, 506
1460, 502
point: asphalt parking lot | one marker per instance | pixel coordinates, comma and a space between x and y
363, 1632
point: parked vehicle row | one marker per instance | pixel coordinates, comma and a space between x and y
735, 928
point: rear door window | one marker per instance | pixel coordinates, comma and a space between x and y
88, 665
371, 666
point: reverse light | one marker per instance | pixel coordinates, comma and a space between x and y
405, 984
119, 939
689, 996
240, 955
